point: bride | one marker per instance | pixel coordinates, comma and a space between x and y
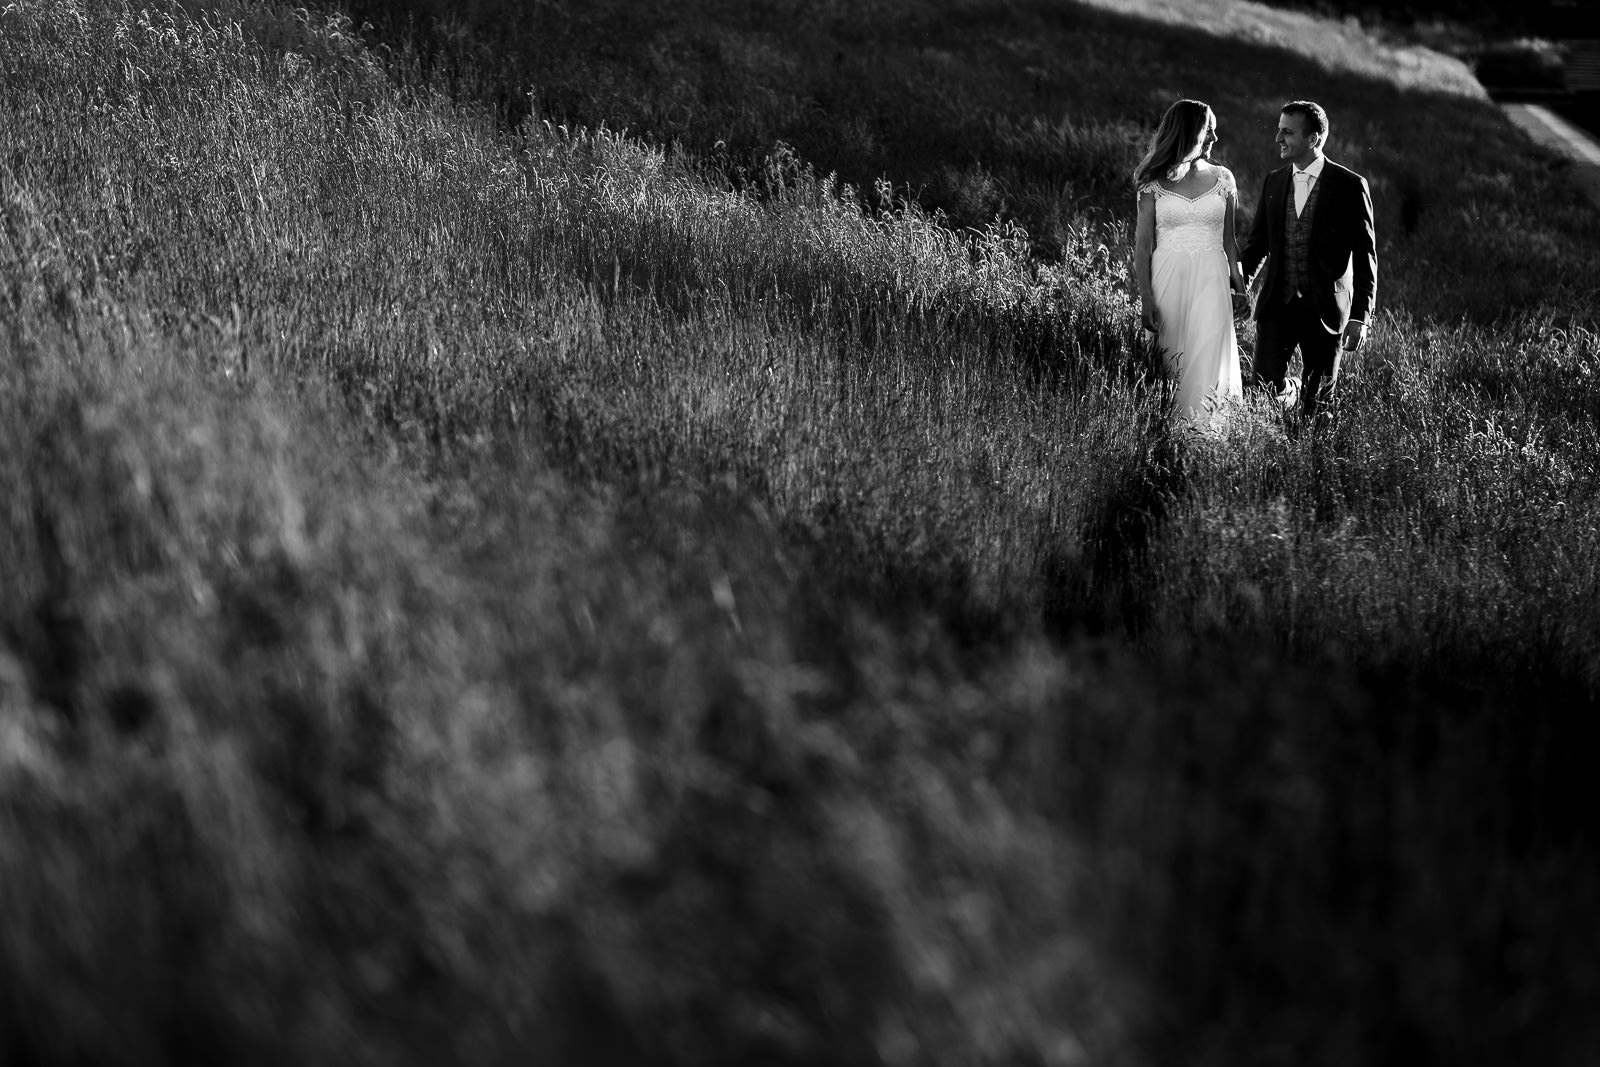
1186, 263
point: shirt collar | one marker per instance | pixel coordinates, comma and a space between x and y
1314, 170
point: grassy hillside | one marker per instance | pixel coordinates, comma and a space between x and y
477, 592
1032, 110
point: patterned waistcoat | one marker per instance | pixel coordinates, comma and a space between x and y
1296, 237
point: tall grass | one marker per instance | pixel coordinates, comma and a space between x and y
476, 593
447, 755
1031, 111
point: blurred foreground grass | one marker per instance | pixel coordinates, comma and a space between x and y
475, 594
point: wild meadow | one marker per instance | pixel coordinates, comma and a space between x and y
562, 533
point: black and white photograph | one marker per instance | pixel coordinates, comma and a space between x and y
800, 533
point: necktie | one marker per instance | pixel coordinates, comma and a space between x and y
1302, 190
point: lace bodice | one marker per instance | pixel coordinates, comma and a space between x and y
1191, 225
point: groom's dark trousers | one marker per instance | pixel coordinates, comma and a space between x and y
1279, 329
1322, 271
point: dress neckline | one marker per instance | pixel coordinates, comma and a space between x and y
1203, 193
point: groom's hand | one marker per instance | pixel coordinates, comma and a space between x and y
1354, 334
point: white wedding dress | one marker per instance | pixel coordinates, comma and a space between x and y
1189, 278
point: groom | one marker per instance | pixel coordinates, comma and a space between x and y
1313, 226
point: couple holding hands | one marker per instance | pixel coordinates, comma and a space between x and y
1313, 227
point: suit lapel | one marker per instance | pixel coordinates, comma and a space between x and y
1328, 198
1276, 204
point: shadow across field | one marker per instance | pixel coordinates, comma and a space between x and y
1378, 753
1033, 112
483, 593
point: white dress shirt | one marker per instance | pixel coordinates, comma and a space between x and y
1304, 180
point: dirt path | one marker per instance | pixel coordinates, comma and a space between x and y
1553, 131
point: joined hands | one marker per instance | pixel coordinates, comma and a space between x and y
1241, 295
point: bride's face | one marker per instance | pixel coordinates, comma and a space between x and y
1208, 138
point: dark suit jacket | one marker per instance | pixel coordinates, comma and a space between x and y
1342, 246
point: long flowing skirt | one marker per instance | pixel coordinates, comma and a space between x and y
1196, 309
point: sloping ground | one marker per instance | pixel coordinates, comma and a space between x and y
477, 598
397, 664
1545, 127
1343, 46
1033, 111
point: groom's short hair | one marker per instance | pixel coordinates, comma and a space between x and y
1316, 119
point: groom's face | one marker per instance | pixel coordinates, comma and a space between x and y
1294, 143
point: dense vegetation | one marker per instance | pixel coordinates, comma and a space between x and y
479, 585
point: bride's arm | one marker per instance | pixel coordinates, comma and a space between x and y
1230, 243
1144, 245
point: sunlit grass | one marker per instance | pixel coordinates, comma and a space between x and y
1030, 111
476, 591
1336, 46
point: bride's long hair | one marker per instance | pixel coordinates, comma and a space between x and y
1174, 142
